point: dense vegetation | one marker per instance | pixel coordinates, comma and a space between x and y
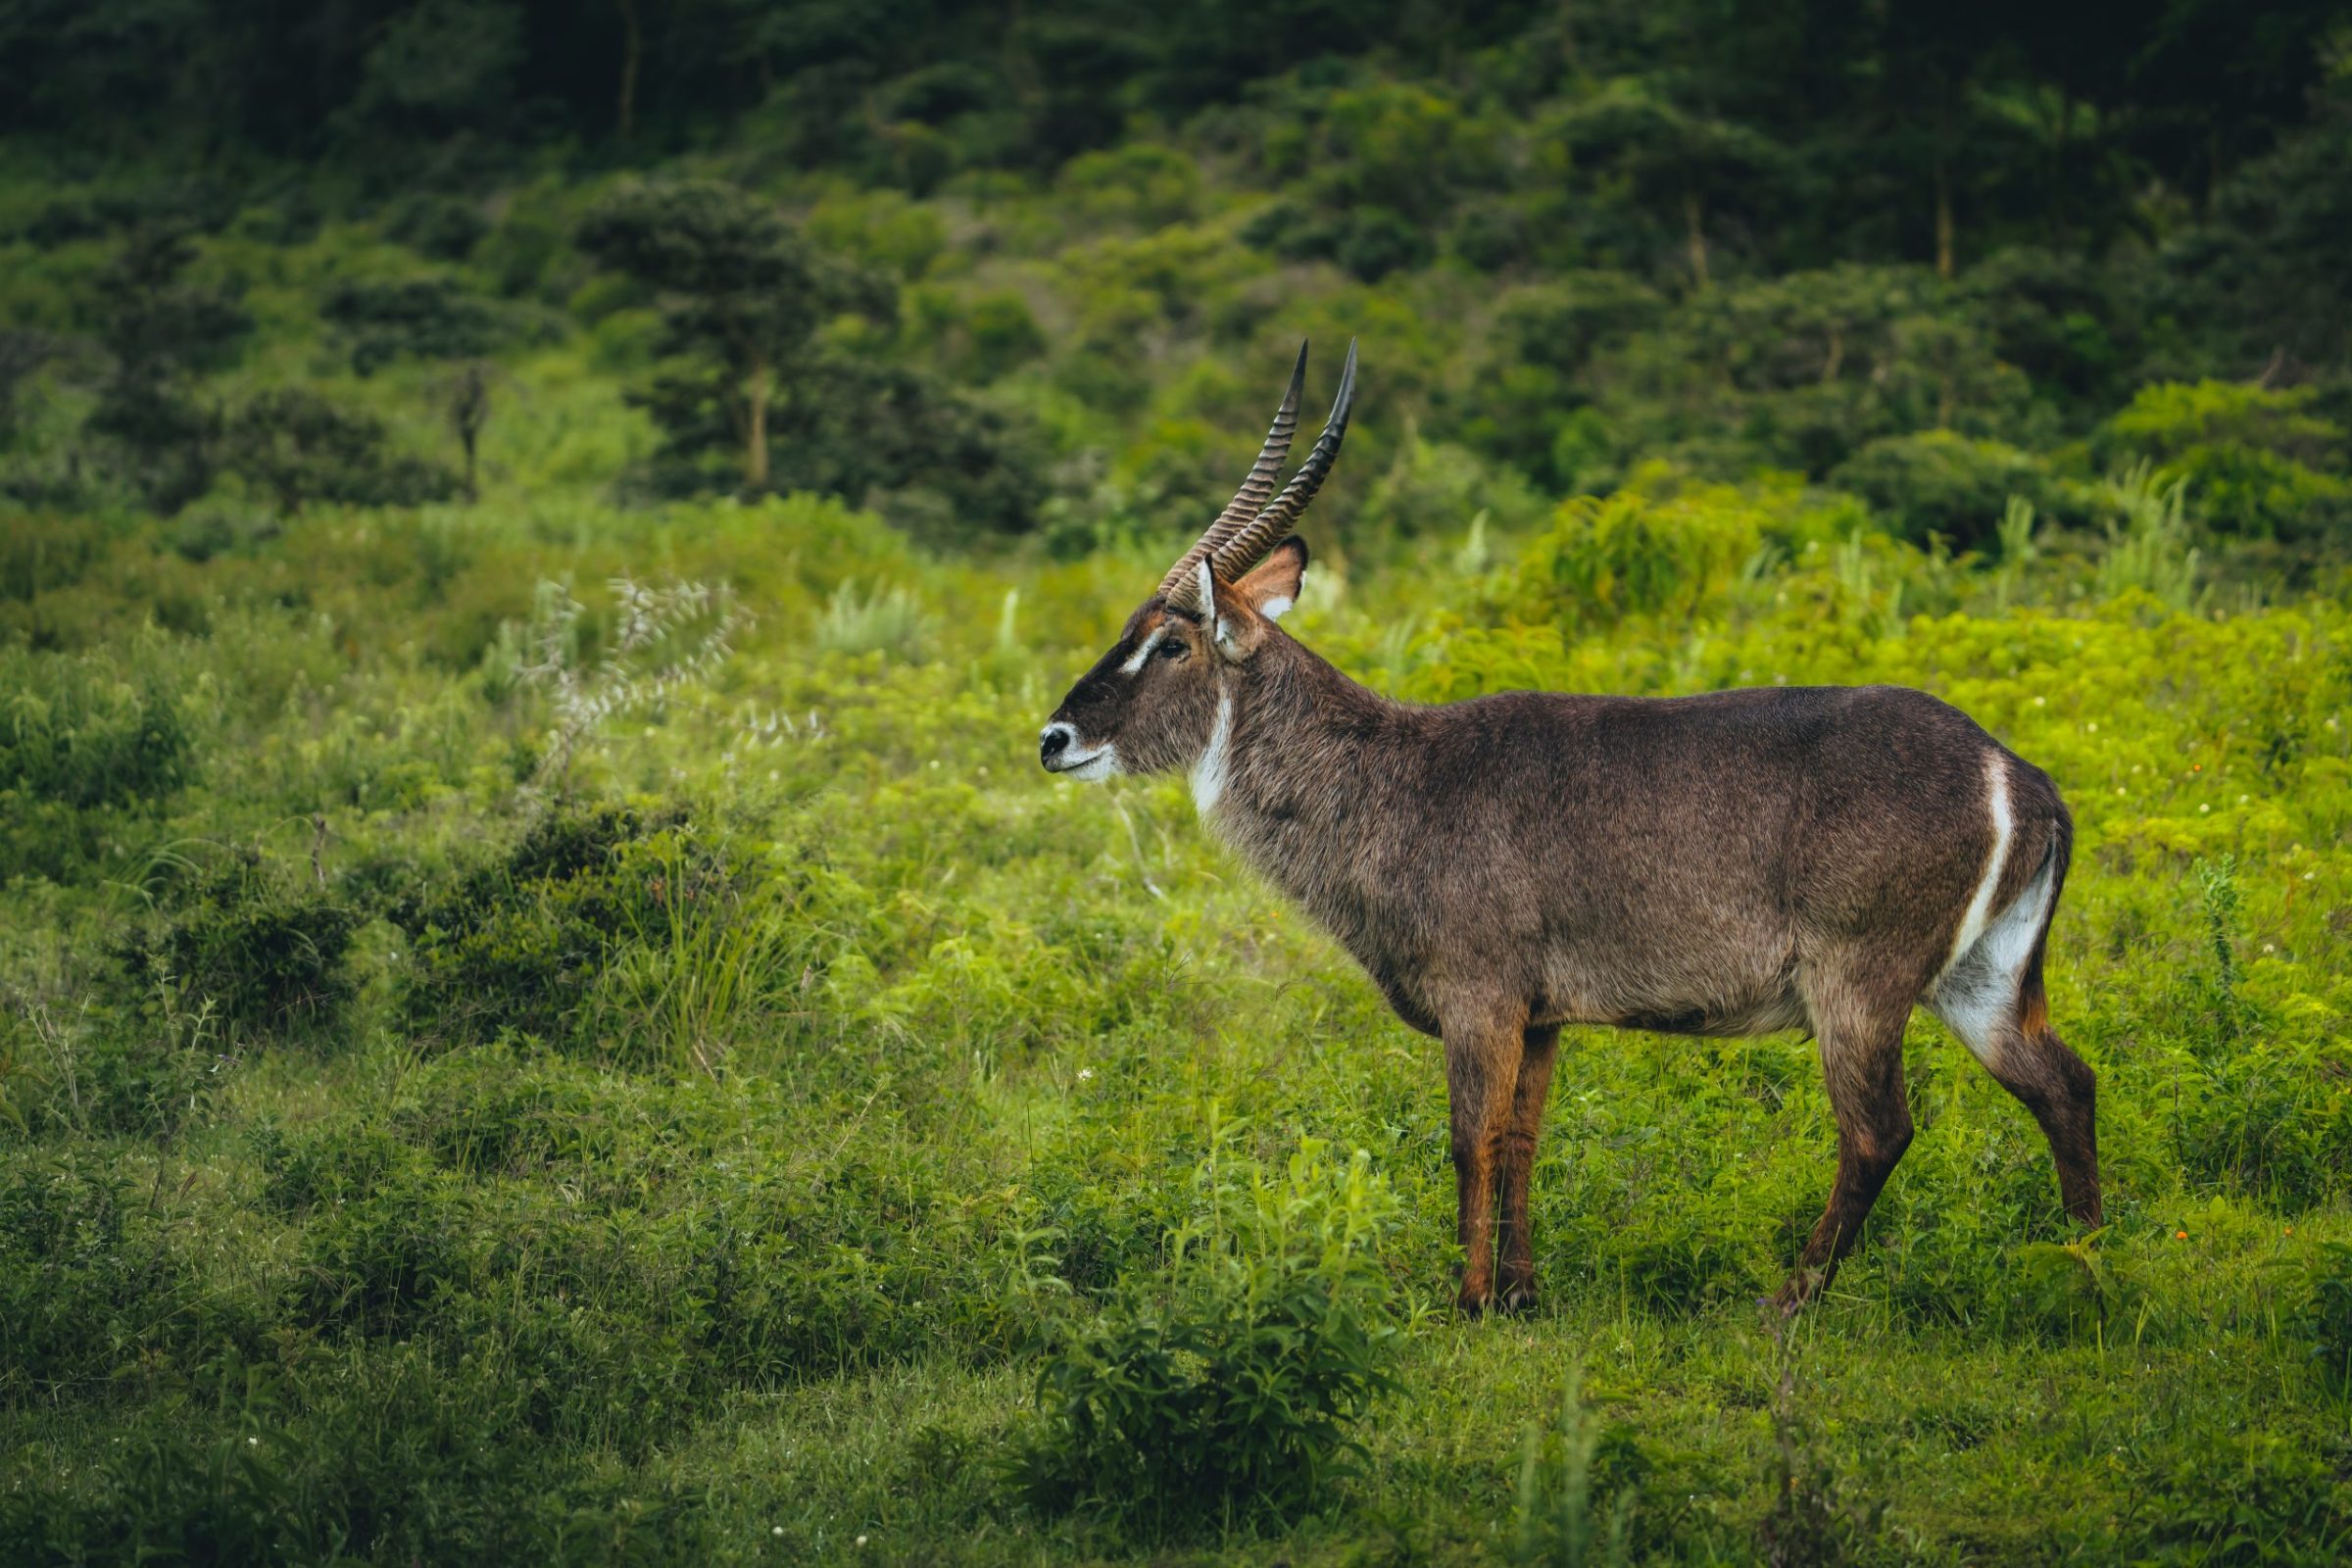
546, 1012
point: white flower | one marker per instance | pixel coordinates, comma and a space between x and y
861, 1541
2092, 727
2041, 702
775, 1530
2202, 809
1085, 1073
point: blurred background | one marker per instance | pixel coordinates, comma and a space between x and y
1038, 270
548, 1014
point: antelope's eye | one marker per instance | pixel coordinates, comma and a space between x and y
1171, 650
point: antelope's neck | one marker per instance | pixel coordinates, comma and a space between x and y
1299, 762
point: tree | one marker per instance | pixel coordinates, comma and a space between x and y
734, 282
161, 331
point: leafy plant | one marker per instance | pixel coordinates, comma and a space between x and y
1560, 1523
1225, 1384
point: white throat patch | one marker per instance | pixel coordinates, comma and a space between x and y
1209, 773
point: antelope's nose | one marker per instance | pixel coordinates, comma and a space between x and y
1052, 743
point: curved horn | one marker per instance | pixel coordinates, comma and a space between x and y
1249, 544
1180, 584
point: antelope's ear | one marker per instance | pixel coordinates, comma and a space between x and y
1271, 587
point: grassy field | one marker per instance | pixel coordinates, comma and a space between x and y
509, 1055
548, 1012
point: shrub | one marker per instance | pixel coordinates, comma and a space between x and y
2327, 1315
82, 732
431, 318
301, 448
1225, 1383
2253, 457
264, 951
1560, 1520
1630, 554
1941, 483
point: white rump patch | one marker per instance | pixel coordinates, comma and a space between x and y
1977, 993
1209, 773
1142, 655
1980, 908
1978, 997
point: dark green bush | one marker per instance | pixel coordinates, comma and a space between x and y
424, 317
1943, 484
75, 1279
2327, 1315
301, 447
82, 733
515, 943
263, 949
1225, 1384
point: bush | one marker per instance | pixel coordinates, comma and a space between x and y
1630, 554
264, 954
1938, 483
1225, 1383
2253, 458
431, 317
301, 448
83, 733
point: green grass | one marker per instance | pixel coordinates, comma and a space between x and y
701, 1158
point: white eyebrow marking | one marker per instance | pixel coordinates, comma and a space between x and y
1135, 661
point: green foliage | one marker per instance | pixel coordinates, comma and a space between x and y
2326, 1318
260, 949
302, 448
428, 318
1227, 1382
81, 731
513, 942
1940, 484
700, 1075
1561, 1522
2257, 459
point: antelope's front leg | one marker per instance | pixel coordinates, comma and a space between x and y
1517, 1284
1482, 1075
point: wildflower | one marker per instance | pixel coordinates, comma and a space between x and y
2092, 727
2041, 702
775, 1530
2179, 1236
861, 1541
2243, 799
2202, 809
2270, 947
1085, 1073
2308, 875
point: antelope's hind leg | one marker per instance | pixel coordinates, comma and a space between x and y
1517, 1286
2015, 1042
1861, 1032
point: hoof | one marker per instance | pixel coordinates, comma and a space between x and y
1517, 1301
1471, 1306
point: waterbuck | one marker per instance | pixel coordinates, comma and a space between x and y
1823, 858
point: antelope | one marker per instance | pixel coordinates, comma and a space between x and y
1819, 858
